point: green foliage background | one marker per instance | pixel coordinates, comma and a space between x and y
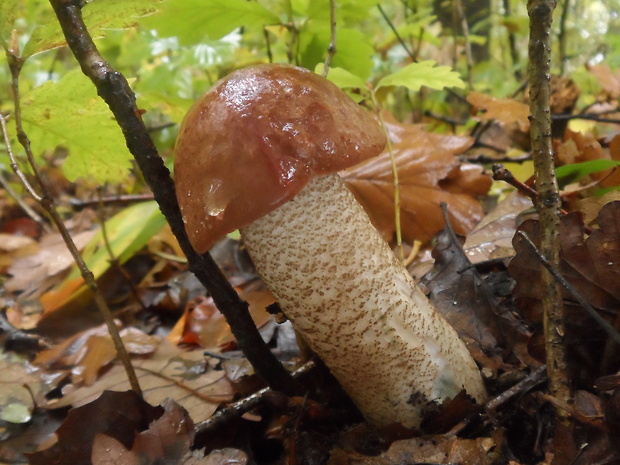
173, 50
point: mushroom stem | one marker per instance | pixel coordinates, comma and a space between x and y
357, 307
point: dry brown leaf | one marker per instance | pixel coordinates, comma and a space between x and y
87, 352
170, 372
203, 324
429, 174
31, 273
608, 79
591, 265
13, 246
464, 299
492, 237
167, 440
116, 414
577, 147
505, 110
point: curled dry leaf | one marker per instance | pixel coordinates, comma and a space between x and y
429, 173
203, 324
460, 294
492, 237
591, 265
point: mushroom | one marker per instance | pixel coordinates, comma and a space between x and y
260, 153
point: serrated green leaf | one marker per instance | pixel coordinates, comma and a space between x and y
341, 77
193, 20
99, 16
8, 14
575, 171
69, 113
423, 73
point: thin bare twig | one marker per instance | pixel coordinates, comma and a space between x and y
413, 56
18, 199
331, 49
458, 8
500, 173
78, 204
548, 201
236, 410
398, 37
47, 203
533, 379
562, 37
609, 329
115, 91
114, 261
512, 43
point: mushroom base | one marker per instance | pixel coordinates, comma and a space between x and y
357, 307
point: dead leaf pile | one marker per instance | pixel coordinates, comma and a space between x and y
428, 173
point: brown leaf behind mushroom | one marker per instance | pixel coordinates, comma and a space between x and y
429, 173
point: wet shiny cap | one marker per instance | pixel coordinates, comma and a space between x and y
256, 138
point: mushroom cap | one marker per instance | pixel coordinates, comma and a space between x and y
256, 138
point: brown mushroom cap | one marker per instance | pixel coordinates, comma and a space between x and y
256, 138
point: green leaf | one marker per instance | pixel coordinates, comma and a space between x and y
341, 77
573, 172
128, 232
69, 113
424, 73
193, 20
354, 49
8, 15
99, 16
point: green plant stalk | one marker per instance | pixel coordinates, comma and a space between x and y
396, 183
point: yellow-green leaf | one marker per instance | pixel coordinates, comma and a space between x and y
341, 77
69, 113
193, 20
424, 73
99, 16
127, 231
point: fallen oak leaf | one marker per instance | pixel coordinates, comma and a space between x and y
429, 173
169, 372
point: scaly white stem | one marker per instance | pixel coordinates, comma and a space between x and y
357, 307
